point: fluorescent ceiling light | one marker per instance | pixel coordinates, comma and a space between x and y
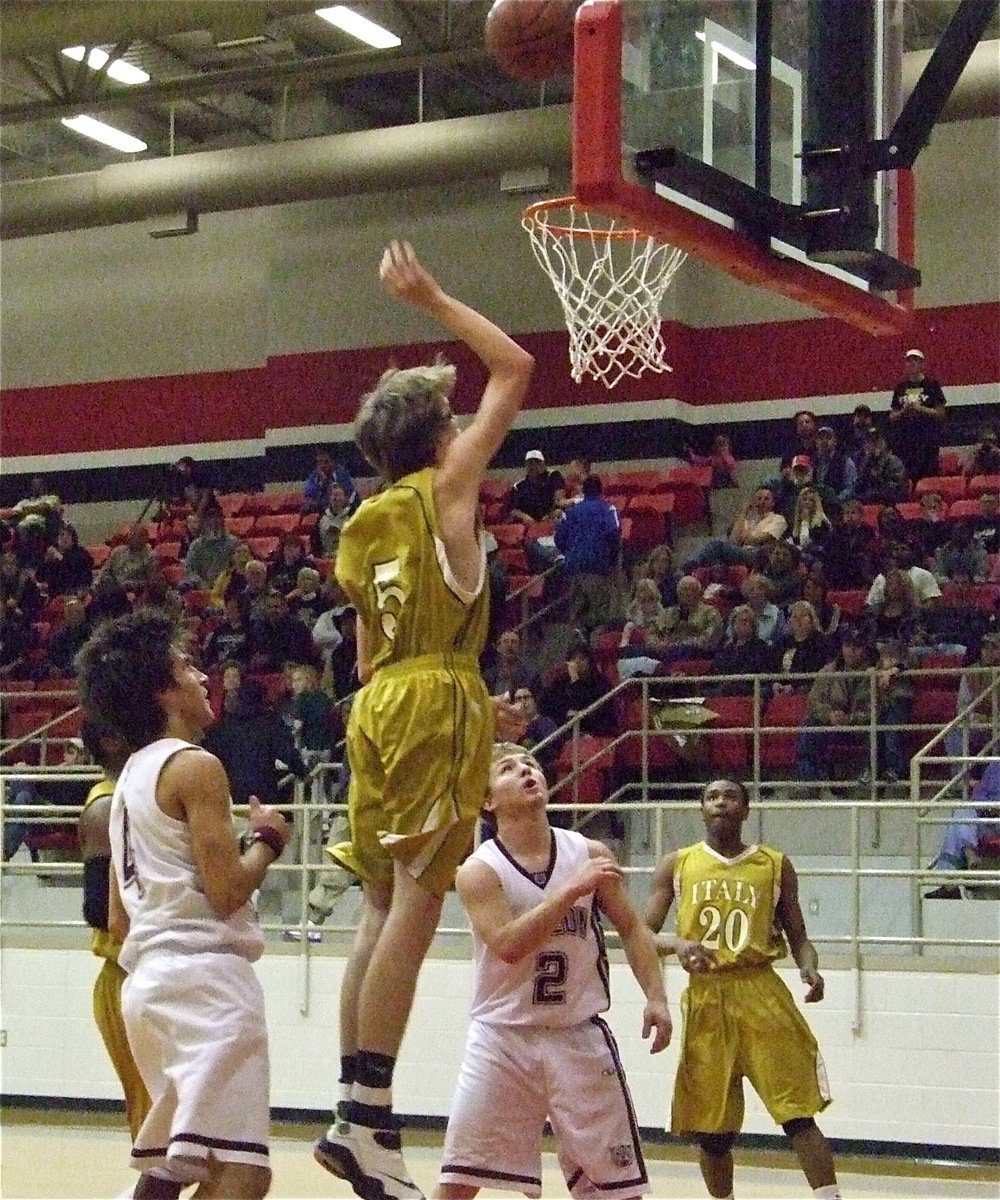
358, 26
121, 70
115, 138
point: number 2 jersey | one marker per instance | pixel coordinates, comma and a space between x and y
729, 904
159, 881
391, 561
566, 981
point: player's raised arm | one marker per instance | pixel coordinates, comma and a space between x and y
509, 366
789, 913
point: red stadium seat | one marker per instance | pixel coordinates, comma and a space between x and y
910, 510
637, 483
240, 526
950, 462
662, 749
963, 509
979, 484
515, 560
263, 547
949, 662
949, 487
491, 490
777, 750
650, 516
850, 601
232, 504
592, 784
933, 707
276, 524
730, 751
689, 486
508, 535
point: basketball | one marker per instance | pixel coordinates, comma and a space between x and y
531, 39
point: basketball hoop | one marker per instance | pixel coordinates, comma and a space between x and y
610, 281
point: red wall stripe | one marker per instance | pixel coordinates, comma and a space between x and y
780, 360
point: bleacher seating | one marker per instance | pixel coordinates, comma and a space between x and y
851, 601
979, 484
275, 524
777, 750
729, 752
948, 487
950, 462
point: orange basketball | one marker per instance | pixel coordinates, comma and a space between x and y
531, 39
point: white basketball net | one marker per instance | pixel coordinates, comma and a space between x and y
610, 281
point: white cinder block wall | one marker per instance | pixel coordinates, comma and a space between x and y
923, 1068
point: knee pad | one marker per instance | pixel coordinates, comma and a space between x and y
716, 1144
798, 1125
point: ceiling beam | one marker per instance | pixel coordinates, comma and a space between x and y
30, 27
323, 67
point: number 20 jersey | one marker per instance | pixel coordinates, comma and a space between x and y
566, 981
729, 904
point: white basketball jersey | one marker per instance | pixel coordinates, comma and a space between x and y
159, 882
566, 981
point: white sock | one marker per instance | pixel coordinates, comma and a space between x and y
830, 1192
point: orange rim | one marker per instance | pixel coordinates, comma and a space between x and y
534, 211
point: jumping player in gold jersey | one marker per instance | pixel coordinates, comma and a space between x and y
412, 560
736, 905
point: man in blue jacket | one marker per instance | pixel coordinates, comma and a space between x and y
589, 537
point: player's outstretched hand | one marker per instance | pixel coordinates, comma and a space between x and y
816, 985
262, 814
402, 274
656, 1016
595, 872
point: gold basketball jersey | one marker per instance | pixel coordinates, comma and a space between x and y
101, 942
392, 564
729, 904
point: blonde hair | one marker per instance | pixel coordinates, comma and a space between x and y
400, 422
805, 606
502, 750
818, 518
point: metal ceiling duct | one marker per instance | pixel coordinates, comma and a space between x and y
378, 160
354, 163
977, 93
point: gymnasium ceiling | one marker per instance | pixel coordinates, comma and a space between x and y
236, 73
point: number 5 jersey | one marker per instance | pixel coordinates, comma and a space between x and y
566, 981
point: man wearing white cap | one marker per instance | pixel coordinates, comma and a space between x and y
536, 497
916, 419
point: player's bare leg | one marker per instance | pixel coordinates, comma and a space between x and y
237, 1181
377, 899
814, 1154
391, 979
715, 1157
